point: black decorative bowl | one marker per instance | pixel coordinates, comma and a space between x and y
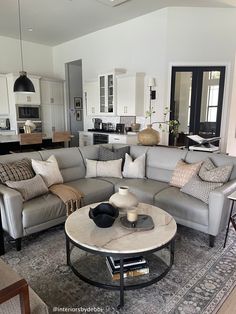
104, 215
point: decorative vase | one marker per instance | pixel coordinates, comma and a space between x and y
149, 136
123, 199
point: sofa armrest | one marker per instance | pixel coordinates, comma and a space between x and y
11, 204
219, 207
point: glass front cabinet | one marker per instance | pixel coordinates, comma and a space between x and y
107, 88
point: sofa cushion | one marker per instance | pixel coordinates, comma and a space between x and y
200, 189
106, 153
134, 168
183, 172
209, 172
161, 162
89, 152
217, 159
16, 171
29, 188
42, 209
110, 168
183, 206
48, 170
69, 160
144, 189
95, 190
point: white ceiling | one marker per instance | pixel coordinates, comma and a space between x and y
57, 21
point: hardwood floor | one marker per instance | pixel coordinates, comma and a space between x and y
229, 306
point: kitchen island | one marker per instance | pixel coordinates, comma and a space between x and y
10, 143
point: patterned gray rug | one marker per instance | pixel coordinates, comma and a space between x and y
198, 282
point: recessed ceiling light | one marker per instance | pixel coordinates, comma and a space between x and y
30, 29
113, 3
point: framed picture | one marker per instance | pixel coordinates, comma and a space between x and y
78, 115
78, 103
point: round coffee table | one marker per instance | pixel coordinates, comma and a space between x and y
118, 242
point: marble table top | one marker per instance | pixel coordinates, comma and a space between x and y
116, 239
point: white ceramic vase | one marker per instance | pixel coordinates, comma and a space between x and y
123, 199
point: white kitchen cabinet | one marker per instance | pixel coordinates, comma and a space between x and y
85, 139
53, 119
91, 98
4, 101
107, 94
31, 98
130, 95
122, 139
52, 107
52, 92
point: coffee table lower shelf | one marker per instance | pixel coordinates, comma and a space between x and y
121, 285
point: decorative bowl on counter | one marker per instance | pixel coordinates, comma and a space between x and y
104, 215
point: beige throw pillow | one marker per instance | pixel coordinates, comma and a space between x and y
134, 168
29, 188
183, 172
48, 170
111, 168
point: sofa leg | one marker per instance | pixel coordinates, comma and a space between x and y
18, 244
211, 240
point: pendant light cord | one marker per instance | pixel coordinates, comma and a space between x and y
20, 32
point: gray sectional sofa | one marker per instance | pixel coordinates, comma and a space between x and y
21, 219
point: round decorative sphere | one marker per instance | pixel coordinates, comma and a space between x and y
123, 199
149, 136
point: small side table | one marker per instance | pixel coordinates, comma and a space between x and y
232, 217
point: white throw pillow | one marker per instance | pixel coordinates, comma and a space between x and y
48, 170
110, 168
134, 168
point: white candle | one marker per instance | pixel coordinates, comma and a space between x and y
132, 215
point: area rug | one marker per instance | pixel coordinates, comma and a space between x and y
199, 281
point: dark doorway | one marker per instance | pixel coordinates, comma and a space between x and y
196, 101
74, 88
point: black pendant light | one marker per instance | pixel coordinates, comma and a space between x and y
23, 84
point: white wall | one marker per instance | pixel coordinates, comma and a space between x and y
153, 43
37, 58
231, 143
137, 45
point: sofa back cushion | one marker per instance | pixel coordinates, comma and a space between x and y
218, 160
89, 152
69, 160
161, 161
138, 150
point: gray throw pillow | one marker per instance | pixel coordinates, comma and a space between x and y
209, 172
29, 188
105, 153
199, 188
16, 171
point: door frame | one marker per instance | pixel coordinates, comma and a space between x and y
226, 102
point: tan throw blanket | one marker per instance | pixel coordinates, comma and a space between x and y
71, 197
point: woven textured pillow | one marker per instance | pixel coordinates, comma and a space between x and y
105, 153
29, 188
183, 172
16, 171
209, 172
199, 188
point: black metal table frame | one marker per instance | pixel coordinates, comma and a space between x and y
122, 287
231, 219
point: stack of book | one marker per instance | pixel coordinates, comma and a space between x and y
133, 266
